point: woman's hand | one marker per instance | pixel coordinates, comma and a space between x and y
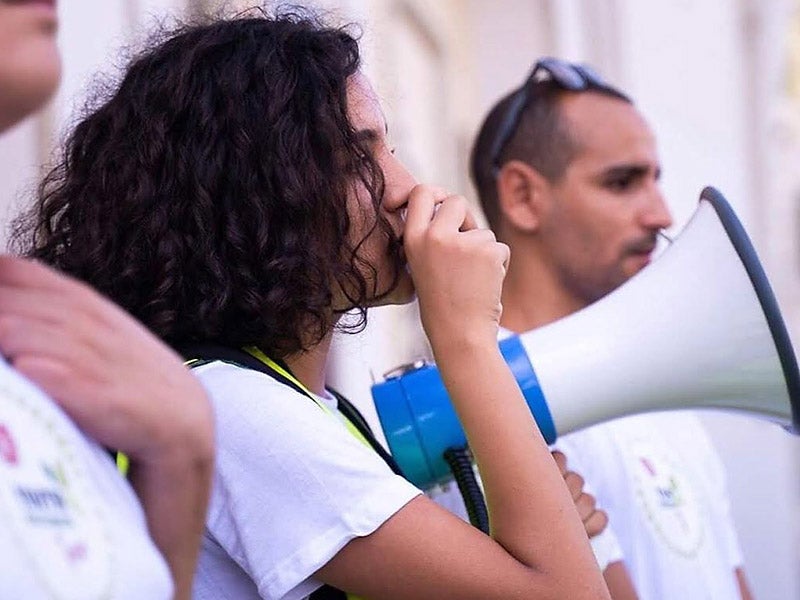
457, 267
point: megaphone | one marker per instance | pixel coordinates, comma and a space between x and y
699, 328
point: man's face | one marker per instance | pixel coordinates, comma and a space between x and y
602, 216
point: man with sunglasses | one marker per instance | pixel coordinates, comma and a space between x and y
568, 174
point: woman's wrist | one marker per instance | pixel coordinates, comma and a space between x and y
463, 343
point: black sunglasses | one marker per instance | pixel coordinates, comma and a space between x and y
568, 76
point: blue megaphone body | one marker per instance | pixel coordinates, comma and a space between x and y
420, 423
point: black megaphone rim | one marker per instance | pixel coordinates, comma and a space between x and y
766, 297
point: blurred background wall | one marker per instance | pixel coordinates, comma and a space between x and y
719, 81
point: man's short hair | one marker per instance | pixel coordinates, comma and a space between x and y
541, 139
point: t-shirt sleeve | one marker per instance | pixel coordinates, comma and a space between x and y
292, 484
606, 548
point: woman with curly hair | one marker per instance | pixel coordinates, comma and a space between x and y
237, 189
70, 525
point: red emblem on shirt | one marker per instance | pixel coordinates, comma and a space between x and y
8, 450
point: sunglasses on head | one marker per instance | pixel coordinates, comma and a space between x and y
568, 76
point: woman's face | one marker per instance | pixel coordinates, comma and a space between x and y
30, 65
368, 120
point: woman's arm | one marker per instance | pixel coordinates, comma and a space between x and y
616, 575
538, 547
122, 387
619, 582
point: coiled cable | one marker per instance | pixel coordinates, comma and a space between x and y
460, 462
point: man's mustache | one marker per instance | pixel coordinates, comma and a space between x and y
643, 245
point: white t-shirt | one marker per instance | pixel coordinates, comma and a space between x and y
663, 486
292, 486
71, 527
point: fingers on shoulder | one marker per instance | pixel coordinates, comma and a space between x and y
587, 504
596, 523
24, 272
31, 288
575, 483
561, 461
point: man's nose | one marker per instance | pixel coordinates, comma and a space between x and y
656, 215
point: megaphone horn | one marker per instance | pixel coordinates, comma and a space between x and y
699, 328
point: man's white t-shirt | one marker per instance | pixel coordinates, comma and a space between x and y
663, 486
292, 486
71, 527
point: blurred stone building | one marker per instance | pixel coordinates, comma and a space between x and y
718, 79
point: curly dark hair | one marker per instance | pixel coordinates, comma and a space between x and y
207, 193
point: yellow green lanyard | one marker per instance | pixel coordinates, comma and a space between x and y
123, 462
122, 459
259, 355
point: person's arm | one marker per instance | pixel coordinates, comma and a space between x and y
619, 582
538, 547
595, 521
122, 387
744, 588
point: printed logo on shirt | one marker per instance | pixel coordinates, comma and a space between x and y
667, 499
47, 502
8, 449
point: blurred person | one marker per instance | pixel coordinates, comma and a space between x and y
237, 191
567, 172
71, 526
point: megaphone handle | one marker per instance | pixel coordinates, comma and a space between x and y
460, 462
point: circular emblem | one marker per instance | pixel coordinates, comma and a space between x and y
667, 499
46, 498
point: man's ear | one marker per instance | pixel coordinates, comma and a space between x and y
521, 195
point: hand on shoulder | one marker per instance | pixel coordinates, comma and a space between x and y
117, 381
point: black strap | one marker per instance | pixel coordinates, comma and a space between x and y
328, 592
206, 353
353, 415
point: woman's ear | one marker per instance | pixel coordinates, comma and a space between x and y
521, 195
